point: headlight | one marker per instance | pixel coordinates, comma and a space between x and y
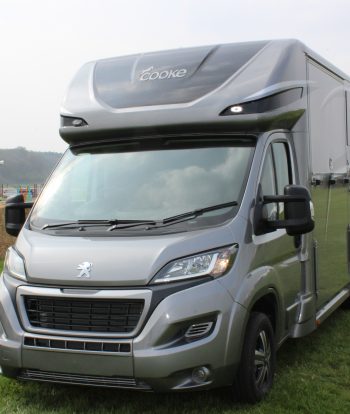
14, 264
214, 263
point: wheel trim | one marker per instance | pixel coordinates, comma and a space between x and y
262, 359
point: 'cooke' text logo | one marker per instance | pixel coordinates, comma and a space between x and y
151, 74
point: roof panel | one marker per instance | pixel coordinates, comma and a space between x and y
170, 77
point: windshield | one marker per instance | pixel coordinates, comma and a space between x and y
145, 180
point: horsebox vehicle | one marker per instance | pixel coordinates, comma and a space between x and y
198, 219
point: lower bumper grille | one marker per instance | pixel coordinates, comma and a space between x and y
74, 379
77, 345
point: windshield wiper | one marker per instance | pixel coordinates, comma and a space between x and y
198, 212
84, 223
78, 223
168, 221
130, 224
151, 224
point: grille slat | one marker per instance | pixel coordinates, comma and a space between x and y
98, 315
114, 382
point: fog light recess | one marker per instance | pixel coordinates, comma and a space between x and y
200, 375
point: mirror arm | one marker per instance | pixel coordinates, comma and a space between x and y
283, 199
19, 205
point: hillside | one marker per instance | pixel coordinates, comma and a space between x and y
26, 167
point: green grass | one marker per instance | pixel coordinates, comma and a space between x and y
313, 377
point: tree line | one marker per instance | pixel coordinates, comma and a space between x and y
26, 167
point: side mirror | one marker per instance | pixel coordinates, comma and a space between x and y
298, 211
15, 214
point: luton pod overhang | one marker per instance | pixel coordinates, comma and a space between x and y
250, 87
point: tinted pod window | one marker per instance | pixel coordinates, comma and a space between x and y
147, 182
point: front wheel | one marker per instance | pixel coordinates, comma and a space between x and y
258, 360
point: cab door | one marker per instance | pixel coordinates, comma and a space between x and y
276, 249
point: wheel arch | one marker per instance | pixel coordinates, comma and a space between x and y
267, 301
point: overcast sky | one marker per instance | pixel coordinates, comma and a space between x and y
44, 42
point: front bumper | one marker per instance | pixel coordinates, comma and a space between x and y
157, 358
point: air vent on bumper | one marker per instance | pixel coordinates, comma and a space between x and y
198, 330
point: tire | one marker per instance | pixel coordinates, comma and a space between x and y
346, 304
258, 360
10, 372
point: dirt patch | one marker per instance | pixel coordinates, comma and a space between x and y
5, 239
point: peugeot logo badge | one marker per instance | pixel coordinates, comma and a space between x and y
85, 270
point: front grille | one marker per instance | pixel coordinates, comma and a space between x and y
97, 381
84, 315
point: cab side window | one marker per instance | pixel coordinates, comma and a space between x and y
282, 166
268, 184
276, 174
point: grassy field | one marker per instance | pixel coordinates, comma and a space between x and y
313, 377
